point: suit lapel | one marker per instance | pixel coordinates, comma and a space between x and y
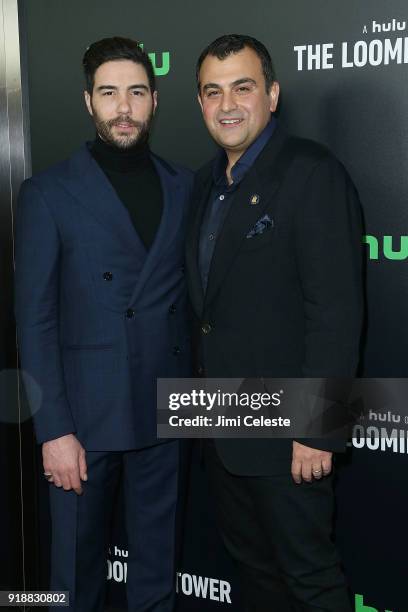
198, 206
169, 224
91, 187
261, 180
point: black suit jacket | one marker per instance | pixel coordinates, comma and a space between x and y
287, 302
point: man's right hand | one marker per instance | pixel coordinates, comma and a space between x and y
64, 459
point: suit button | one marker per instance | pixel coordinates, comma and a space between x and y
200, 370
172, 309
206, 328
183, 269
108, 276
176, 350
130, 313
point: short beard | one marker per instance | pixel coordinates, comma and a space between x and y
124, 141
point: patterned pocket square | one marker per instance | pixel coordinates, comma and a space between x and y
260, 226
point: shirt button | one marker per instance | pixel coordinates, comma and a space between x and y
130, 313
108, 276
222, 197
211, 237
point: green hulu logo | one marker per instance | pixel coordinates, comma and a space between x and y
390, 247
160, 66
360, 607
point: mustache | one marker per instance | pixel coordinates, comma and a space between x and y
125, 119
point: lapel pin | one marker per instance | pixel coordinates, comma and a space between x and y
254, 199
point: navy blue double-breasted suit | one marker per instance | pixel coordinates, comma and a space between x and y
99, 318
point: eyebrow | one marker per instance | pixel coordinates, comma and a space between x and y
233, 84
135, 86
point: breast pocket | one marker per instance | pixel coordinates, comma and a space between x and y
259, 241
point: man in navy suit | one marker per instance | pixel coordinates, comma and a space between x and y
101, 313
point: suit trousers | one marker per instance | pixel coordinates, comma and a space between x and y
81, 529
279, 535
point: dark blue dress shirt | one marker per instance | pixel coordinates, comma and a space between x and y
222, 195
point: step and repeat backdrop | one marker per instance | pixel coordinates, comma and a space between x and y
343, 70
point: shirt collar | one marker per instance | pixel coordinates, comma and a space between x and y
241, 167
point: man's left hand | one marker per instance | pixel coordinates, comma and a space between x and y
309, 463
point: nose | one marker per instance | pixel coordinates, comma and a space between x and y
124, 106
228, 102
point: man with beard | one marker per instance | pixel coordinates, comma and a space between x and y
100, 306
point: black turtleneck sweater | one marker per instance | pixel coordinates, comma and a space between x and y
135, 180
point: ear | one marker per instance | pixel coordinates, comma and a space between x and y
274, 96
154, 101
88, 102
200, 102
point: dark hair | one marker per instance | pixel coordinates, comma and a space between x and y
113, 49
225, 45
